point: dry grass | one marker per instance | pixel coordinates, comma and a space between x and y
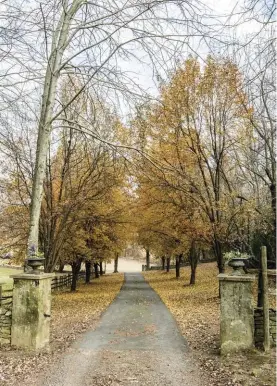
196, 310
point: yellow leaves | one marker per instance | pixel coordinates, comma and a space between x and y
72, 314
176, 295
196, 131
87, 302
195, 308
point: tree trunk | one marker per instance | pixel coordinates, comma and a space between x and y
88, 271
219, 255
177, 266
194, 255
167, 264
116, 264
96, 270
101, 268
147, 258
76, 266
192, 275
273, 206
61, 268
59, 39
163, 263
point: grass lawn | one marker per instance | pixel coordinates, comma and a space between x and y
5, 275
196, 310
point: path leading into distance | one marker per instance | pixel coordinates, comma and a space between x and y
137, 342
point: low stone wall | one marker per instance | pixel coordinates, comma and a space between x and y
59, 283
6, 300
259, 324
271, 274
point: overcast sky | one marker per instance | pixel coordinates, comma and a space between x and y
143, 73
222, 9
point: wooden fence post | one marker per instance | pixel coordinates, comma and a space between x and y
265, 299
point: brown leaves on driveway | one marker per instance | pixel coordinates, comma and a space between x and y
196, 310
72, 314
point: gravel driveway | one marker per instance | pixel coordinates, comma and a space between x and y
137, 342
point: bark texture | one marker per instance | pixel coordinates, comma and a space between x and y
167, 264
101, 268
88, 271
116, 264
96, 271
76, 266
58, 46
194, 255
177, 267
147, 258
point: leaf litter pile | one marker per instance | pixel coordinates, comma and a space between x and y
72, 314
196, 310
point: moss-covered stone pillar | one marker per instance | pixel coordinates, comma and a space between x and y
236, 312
31, 311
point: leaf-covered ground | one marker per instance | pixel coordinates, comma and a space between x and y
196, 309
72, 314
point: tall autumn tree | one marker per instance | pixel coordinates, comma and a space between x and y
84, 39
166, 219
194, 131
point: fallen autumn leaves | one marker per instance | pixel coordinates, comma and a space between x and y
196, 310
72, 314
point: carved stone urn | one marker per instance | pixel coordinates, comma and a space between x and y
237, 263
35, 262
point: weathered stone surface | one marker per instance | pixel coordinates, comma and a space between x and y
6, 301
5, 330
5, 317
5, 341
6, 336
236, 312
31, 311
5, 323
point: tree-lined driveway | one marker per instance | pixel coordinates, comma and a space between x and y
137, 342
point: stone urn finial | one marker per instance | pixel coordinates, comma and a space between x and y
236, 260
237, 263
35, 260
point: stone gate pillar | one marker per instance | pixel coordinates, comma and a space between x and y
236, 312
31, 310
